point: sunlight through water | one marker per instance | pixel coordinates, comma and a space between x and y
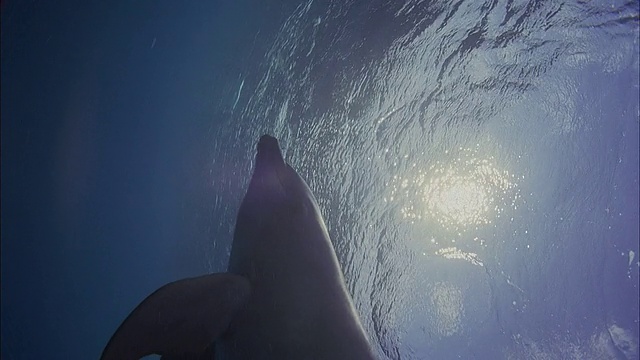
463, 192
447, 300
453, 252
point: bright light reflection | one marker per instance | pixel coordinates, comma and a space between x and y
456, 199
465, 192
455, 253
447, 302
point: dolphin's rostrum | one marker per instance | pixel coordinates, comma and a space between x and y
283, 296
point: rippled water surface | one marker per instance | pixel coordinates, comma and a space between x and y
469, 159
476, 163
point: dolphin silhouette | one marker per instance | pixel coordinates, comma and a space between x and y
283, 297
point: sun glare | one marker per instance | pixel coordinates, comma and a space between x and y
465, 192
458, 200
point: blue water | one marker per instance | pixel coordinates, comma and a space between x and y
476, 163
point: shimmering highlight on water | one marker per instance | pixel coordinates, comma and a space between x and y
464, 192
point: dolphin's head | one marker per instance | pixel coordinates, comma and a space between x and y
274, 181
278, 201
266, 184
269, 156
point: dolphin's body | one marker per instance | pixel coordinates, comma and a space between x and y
283, 297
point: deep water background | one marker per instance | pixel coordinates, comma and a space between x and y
476, 163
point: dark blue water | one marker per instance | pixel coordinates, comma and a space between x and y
476, 163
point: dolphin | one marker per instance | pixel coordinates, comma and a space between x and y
283, 296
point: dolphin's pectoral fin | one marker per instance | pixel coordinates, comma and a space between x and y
181, 319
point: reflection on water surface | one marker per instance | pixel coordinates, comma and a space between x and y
464, 191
